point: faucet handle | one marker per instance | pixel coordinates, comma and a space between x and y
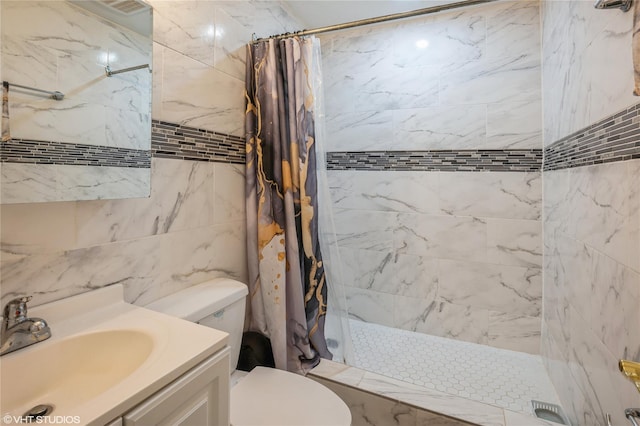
631, 370
16, 309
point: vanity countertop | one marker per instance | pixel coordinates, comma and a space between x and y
165, 348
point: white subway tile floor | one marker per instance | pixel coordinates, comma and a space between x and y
500, 377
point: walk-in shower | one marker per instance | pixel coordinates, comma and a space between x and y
433, 154
432, 150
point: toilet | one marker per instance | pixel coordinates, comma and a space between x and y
265, 396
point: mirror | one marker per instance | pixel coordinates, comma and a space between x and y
72, 131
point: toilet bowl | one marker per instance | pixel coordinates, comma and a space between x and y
265, 396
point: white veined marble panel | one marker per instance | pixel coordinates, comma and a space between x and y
187, 27
24, 183
514, 242
390, 273
181, 198
415, 276
442, 319
367, 269
440, 39
609, 55
360, 75
513, 29
599, 200
231, 39
368, 409
556, 192
157, 79
91, 183
515, 332
57, 25
592, 76
564, 383
229, 193
82, 76
491, 80
395, 88
272, 18
53, 276
614, 305
74, 121
556, 300
443, 237
508, 289
28, 63
190, 257
359, 131
595, 371
440, 127
244, 12
200, 96
27, 183
492, 194
183, 192
358, 51
365, 229
515, 125
385, 191
574, 259
48, 228
370, 306
125, 128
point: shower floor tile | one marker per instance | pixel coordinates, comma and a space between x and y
499, 377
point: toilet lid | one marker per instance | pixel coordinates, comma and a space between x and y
267, 396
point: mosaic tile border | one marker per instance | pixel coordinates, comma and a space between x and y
170, 140
490, 160
614, 138
72, 154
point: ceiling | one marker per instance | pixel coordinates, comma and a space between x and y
320, 13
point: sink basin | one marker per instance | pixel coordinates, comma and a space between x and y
105, 357
72, 370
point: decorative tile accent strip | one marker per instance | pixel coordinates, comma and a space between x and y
494, 160
614, 138
169, 140
73, 154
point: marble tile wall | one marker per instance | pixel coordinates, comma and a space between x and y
476, 84
192, 226
455, 254
66, 48
591, 216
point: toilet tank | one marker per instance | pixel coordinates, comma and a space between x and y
218, 304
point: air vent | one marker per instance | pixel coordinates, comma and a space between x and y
125, 7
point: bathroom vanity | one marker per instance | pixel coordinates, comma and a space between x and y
199, 397
110, 362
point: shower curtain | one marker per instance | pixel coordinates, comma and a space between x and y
287, 284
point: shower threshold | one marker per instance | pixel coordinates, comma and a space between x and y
468, 381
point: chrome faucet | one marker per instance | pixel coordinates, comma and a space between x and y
18, 331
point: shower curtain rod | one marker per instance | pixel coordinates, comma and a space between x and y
377, 20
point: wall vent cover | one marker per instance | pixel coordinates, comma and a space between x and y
125, 7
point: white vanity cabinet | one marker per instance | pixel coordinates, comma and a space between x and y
199, 397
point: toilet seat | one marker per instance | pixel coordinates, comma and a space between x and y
267, 396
